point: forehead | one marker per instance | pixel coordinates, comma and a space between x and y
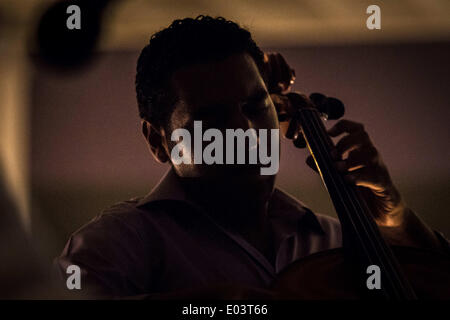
226, 81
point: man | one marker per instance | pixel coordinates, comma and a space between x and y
220, 230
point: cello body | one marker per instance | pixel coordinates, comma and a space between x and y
328, 275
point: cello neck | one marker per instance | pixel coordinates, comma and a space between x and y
362, 240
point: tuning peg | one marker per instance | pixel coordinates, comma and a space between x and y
317, 98
333, 108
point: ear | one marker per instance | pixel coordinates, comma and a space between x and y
155, 141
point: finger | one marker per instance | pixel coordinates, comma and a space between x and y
358, 158
369, 177
347, 126
352, 141
368, 156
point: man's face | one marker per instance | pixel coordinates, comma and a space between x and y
227, 94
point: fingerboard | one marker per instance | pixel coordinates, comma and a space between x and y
362, 240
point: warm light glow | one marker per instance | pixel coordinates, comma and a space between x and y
14, 146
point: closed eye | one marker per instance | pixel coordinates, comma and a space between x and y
256, 104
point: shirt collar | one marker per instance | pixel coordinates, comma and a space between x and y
282, 206
168, 188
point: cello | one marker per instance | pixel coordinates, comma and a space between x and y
407, 273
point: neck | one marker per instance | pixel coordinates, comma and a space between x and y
237, 205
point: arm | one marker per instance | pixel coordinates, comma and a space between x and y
111, 256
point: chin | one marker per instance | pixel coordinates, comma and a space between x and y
231, 179
247, 184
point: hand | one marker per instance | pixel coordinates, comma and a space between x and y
356, 158
359, 161
361, 164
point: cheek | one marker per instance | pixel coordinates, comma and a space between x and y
179, 118
185, 169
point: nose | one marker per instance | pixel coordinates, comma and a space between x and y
237, 119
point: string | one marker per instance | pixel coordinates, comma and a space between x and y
364, 219
393, 272
338, 190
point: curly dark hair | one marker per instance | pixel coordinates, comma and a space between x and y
183, 43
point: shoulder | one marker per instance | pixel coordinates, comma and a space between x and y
121, 215
326, 224
119, 226
126, 223
116, 231
111, 248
